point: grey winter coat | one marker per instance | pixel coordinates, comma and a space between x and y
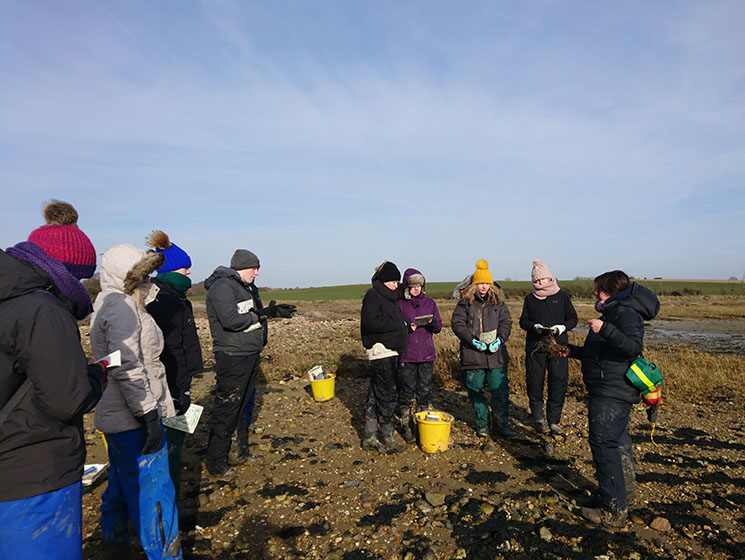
231, 310
474, 315
120, 322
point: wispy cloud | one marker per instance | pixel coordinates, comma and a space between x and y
335, 135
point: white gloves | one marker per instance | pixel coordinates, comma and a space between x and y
556, 330
538, 328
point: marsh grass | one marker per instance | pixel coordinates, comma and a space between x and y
328, 332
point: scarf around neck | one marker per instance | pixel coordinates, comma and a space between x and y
542, 292
179, 281
69, 286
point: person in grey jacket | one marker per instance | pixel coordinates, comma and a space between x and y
483, 324
132, 406
238, 323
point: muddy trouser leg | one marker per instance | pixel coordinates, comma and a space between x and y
143, 484
535, 373
558, 376
628, 464
175, 440
48, 525
425, 373
371, 417
475, 384
608, 419
384, 373
244, 421
499, 387
236, 379
407, 373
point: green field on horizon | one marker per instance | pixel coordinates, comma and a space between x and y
577, 288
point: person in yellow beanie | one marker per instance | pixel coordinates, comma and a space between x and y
482, 323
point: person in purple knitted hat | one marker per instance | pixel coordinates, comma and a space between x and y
46, 385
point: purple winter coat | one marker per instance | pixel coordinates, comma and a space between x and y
421, 346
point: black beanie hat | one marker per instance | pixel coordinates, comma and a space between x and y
388, 272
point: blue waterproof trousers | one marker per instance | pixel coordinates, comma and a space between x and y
140, 488
48, 526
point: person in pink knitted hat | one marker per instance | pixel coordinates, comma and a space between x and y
547, 311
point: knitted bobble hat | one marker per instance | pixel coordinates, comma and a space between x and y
539, 271
175, 256
482, 274
62, 239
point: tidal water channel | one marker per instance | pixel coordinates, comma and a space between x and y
721, 336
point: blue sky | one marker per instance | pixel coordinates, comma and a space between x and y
329, 136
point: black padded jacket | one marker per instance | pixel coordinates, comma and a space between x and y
607, 355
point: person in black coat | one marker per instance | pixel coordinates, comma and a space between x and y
182, 354
614, 341
46, 386
384, 336
547, 312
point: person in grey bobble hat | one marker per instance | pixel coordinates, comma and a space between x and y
238, 323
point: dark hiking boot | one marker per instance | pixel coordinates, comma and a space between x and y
482, 432
222, 472
372, 443
505, 431
605, 517
245, 456
390, 445
541, 426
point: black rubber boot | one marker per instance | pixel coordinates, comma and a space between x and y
407, 425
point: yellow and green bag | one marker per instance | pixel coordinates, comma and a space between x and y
644, 375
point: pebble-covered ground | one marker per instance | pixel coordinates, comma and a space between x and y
316, 494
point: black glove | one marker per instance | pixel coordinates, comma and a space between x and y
270, 310
183, 402
153, 432
652, 413
286, 311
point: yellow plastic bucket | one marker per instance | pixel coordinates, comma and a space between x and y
323, 389
434, 430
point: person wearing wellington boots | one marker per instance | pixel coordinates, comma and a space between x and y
46, 385
483, 324
613, 341
182, 355
385, 337
416, 365
134, 401
547, 312
238, 323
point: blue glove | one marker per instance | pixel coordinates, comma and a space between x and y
494, 346
478, 345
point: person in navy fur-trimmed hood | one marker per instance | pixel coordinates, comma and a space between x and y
385, 337
416, 365
47, 385
613, 341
